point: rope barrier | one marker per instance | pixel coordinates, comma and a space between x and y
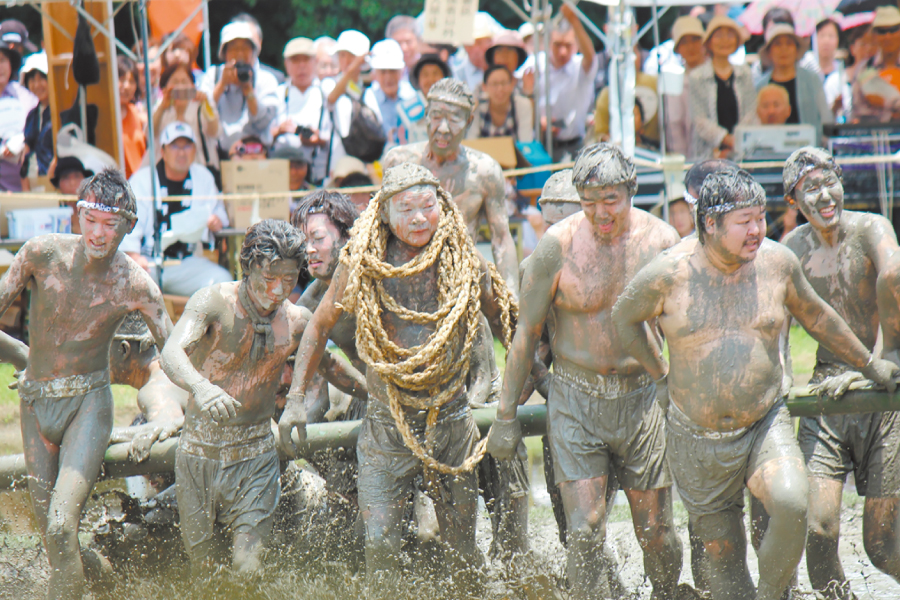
869, 159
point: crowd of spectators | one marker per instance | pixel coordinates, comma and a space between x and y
307, 109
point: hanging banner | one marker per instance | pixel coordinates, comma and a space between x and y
450, 21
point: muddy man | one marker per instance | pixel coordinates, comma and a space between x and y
417, 286
229, 350
843, 253
82, 290
601, 405
722, 304
475, 181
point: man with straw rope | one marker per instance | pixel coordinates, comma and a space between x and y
601, 407
417, 286
475, 182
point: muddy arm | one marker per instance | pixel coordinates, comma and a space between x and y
880, 241
502, 245
539, 284
153, 309
888, 288
344, 376
13, 351
642, 301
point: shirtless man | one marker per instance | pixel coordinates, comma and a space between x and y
842, 254
229, 350
601, 404
721, 304
475, 181
389, 277
82, 289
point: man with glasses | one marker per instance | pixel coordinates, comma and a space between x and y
177, 175
873, 98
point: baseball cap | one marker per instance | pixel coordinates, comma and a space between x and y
300, 46
387, 55
15, 32
483, 27
526, 29
176, 130
886, 16
35, 62
236, 31
353, 41
346, 165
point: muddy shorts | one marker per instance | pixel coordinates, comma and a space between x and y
236, 485
56, 402
711, 468
387, 468
868, 444
607, 425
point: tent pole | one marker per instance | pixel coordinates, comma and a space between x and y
151, 143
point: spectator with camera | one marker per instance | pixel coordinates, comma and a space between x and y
303, 114
245, 96
183, 102
389, 89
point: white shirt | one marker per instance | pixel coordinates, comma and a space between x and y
571, 94
235, 120
308, 109
142, 239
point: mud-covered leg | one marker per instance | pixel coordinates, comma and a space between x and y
504, 486
42, 462
457, 521
80, 457
559, 512
700, 566
585, 505
383, 536
249, 545
826, 574
725, 540
881, 525
759, 523
783, 488
654, 526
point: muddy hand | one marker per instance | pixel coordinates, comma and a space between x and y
504, 438
883, 372
214, 401
139, 449
294, 417
835, 387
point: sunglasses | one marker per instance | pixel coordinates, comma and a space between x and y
886, 30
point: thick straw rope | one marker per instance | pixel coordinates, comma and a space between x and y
439, 366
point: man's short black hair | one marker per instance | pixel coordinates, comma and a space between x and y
724, 192
334, 205
270, 240
110, 188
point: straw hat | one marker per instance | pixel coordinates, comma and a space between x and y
687, 25
720, 21
886, 16
777, 30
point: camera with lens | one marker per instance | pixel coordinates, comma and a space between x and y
303, 131
243, 71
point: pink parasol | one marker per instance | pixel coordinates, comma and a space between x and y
807, 14
854, 20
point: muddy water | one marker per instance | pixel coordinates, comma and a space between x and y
23, 564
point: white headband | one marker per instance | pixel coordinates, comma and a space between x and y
107, 209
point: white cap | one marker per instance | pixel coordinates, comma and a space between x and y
484, 28
352, 41
35, 62
387, 56
175, 130
526, 29
236, 31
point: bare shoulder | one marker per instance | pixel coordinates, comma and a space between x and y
313, 295
777, 258
798, 240
46, 249
890, 274
654, 230
869, 226
400, 154
297, 314
483, 166
214, 299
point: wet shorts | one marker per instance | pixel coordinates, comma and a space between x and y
607, 425
387, 468
869, 444
236, 485
56, 402
711, 468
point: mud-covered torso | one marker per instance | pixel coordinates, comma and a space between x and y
843, 275
419, 293
592, 277
723, 331
222, 355
73, 315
